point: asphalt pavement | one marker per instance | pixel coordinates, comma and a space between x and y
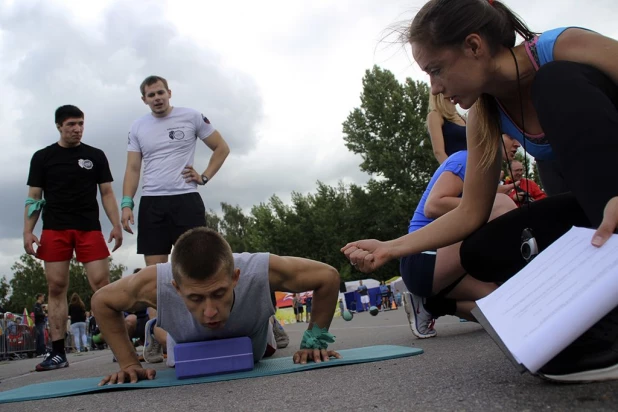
460, 370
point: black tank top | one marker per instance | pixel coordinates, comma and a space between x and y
454, 137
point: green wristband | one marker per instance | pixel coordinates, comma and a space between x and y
316, 338
127, 201
34, 205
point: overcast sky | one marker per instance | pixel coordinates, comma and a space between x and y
276, 78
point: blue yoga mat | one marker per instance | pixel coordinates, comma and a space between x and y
268, 367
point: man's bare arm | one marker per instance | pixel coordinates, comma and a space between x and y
108, 199
131, 174
220, 151
29, 238
129, 294
293, 274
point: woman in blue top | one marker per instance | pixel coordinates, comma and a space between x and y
435, 279
447, 128
557, 93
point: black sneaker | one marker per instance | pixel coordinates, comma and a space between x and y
592, 357
53, 361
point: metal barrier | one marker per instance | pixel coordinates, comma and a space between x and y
18, 341
3, 339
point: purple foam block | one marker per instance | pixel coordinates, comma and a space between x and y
213, 357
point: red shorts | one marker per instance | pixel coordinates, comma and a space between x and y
58, 246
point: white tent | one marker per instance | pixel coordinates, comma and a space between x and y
354, 284
398, 284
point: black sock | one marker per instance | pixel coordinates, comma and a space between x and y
58, 347
440, 306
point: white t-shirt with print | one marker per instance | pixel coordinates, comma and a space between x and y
167, 145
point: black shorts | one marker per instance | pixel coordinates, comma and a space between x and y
417, 273
162, 219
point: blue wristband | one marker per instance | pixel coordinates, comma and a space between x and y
34, 205
316, 338
127, 202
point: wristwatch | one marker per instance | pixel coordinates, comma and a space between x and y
204, 179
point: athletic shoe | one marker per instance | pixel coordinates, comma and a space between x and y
281, 336
153, 352
421, 322
592, 357
53, 361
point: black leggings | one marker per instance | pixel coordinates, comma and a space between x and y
492, 253
577, 107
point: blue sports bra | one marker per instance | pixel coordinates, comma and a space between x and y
540, 50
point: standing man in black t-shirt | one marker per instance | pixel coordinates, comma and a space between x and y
63, 183
39, 323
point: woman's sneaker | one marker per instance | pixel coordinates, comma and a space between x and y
592, 357
153, 352
53, 361
420, 320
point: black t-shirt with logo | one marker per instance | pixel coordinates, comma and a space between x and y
69, 178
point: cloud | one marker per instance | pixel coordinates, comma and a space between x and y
51, 60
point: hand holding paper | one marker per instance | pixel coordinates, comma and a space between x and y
565, 290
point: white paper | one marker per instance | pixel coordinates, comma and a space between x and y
559, 295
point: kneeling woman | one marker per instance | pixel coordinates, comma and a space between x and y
437, 283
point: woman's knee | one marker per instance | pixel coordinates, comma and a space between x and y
502, 204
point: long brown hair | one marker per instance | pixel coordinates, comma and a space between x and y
76, 300
446, 23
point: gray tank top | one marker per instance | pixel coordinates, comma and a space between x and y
250, 314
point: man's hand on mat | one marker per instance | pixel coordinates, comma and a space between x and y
130, 374
366, 255
316, 355
609, 223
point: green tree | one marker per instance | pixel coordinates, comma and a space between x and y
234, 227
29, 279
271, 229
213, 221
389, 131
5, 291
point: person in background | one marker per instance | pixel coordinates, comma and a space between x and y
526, 190
308, 303
77, 313
447, 128
39, 324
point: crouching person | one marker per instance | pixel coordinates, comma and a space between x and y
207, 292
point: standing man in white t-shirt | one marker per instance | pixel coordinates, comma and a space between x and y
165, 141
